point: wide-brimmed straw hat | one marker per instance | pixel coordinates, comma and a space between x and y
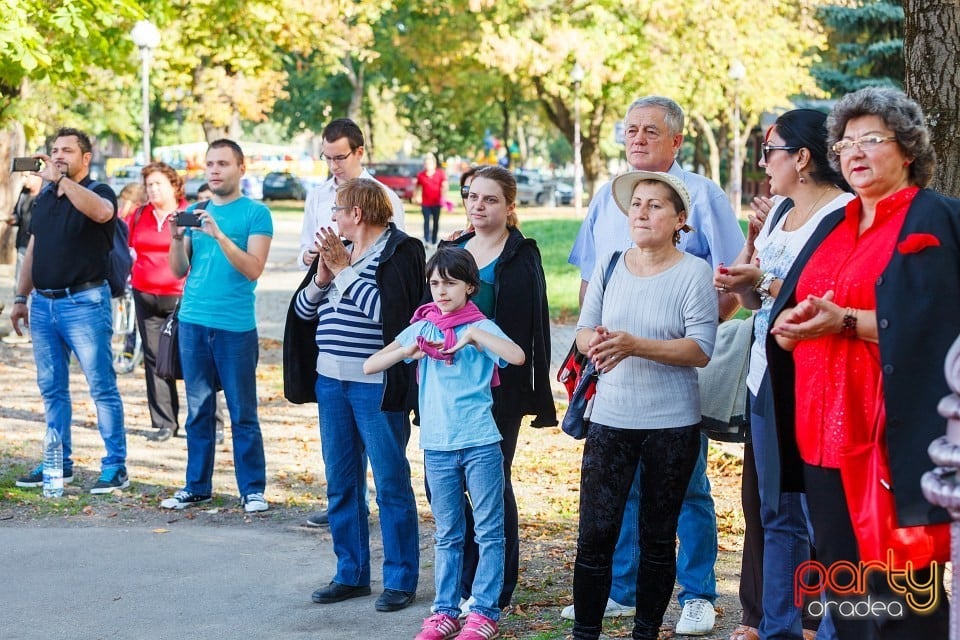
623, 186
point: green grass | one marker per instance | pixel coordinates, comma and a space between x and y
555, 238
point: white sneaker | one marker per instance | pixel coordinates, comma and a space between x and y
696, 619
465, 604
613, 610
254, 503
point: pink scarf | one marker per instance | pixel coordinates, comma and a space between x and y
447, 323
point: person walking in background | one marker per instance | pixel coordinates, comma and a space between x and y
356, 297
222, 258
861, 326
431, 191
513, 293
794, 157
654, 134
20, 218
459, 437
65, 268
646, 414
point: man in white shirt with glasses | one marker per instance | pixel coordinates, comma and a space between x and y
343, 151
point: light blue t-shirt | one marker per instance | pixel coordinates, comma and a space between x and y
215, 294
716, 235
455, 399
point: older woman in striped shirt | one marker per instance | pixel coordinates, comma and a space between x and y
361, 295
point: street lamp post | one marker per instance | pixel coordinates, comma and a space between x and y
737, 73
146, 36
576, 75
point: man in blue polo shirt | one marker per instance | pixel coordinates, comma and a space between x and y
65, 267
653, 135
222, 258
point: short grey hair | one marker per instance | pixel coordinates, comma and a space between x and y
900, 114
672, 113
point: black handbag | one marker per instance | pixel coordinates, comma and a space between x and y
168, 349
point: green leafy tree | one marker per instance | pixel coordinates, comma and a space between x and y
866, 46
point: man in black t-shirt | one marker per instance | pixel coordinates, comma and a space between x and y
65, 267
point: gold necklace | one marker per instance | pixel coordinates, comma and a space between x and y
809, 212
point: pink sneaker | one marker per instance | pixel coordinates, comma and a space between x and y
439, 626
479, 627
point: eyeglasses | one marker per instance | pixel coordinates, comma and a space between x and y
337, 159
465, 191
340, 207
866, 143
765, 149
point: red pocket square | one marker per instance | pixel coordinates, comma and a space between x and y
917, 242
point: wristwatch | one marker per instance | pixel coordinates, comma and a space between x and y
763, 286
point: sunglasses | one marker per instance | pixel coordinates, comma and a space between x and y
465, 191
765, 149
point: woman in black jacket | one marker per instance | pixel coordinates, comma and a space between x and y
513, 293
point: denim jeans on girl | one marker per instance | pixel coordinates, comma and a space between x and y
352, 423
81, 323
478, 471
210, 355
611, 458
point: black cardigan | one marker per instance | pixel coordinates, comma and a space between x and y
400, 279
918, 318
521, 312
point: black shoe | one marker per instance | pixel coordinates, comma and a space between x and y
394, 600
35, 478
111, 480
318, 519
336, 592
161, 435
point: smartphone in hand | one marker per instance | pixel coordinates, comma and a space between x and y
25, 164
187, 219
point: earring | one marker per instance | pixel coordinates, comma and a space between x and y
800, 176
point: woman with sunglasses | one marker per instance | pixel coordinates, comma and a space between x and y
805, 190
862, 325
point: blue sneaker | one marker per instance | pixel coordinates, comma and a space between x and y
111, 480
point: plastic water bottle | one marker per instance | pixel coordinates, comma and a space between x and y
52, 464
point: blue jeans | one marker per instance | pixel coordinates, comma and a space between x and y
352, 423
697, 531
209, 356
80, 323
479, 470
786, 542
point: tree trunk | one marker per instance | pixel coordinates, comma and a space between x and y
505, 131
710, 140
12, 144
932, 50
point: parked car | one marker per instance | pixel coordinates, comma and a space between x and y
563, 192
283, 185
400, 176
531, 189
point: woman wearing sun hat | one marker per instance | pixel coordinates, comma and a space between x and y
647, 330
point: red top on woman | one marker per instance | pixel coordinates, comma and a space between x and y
151, 241
431, 195
843, 409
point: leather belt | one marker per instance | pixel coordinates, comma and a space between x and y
69, 291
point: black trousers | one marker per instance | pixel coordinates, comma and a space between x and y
152, 312
835, 542
666, 458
